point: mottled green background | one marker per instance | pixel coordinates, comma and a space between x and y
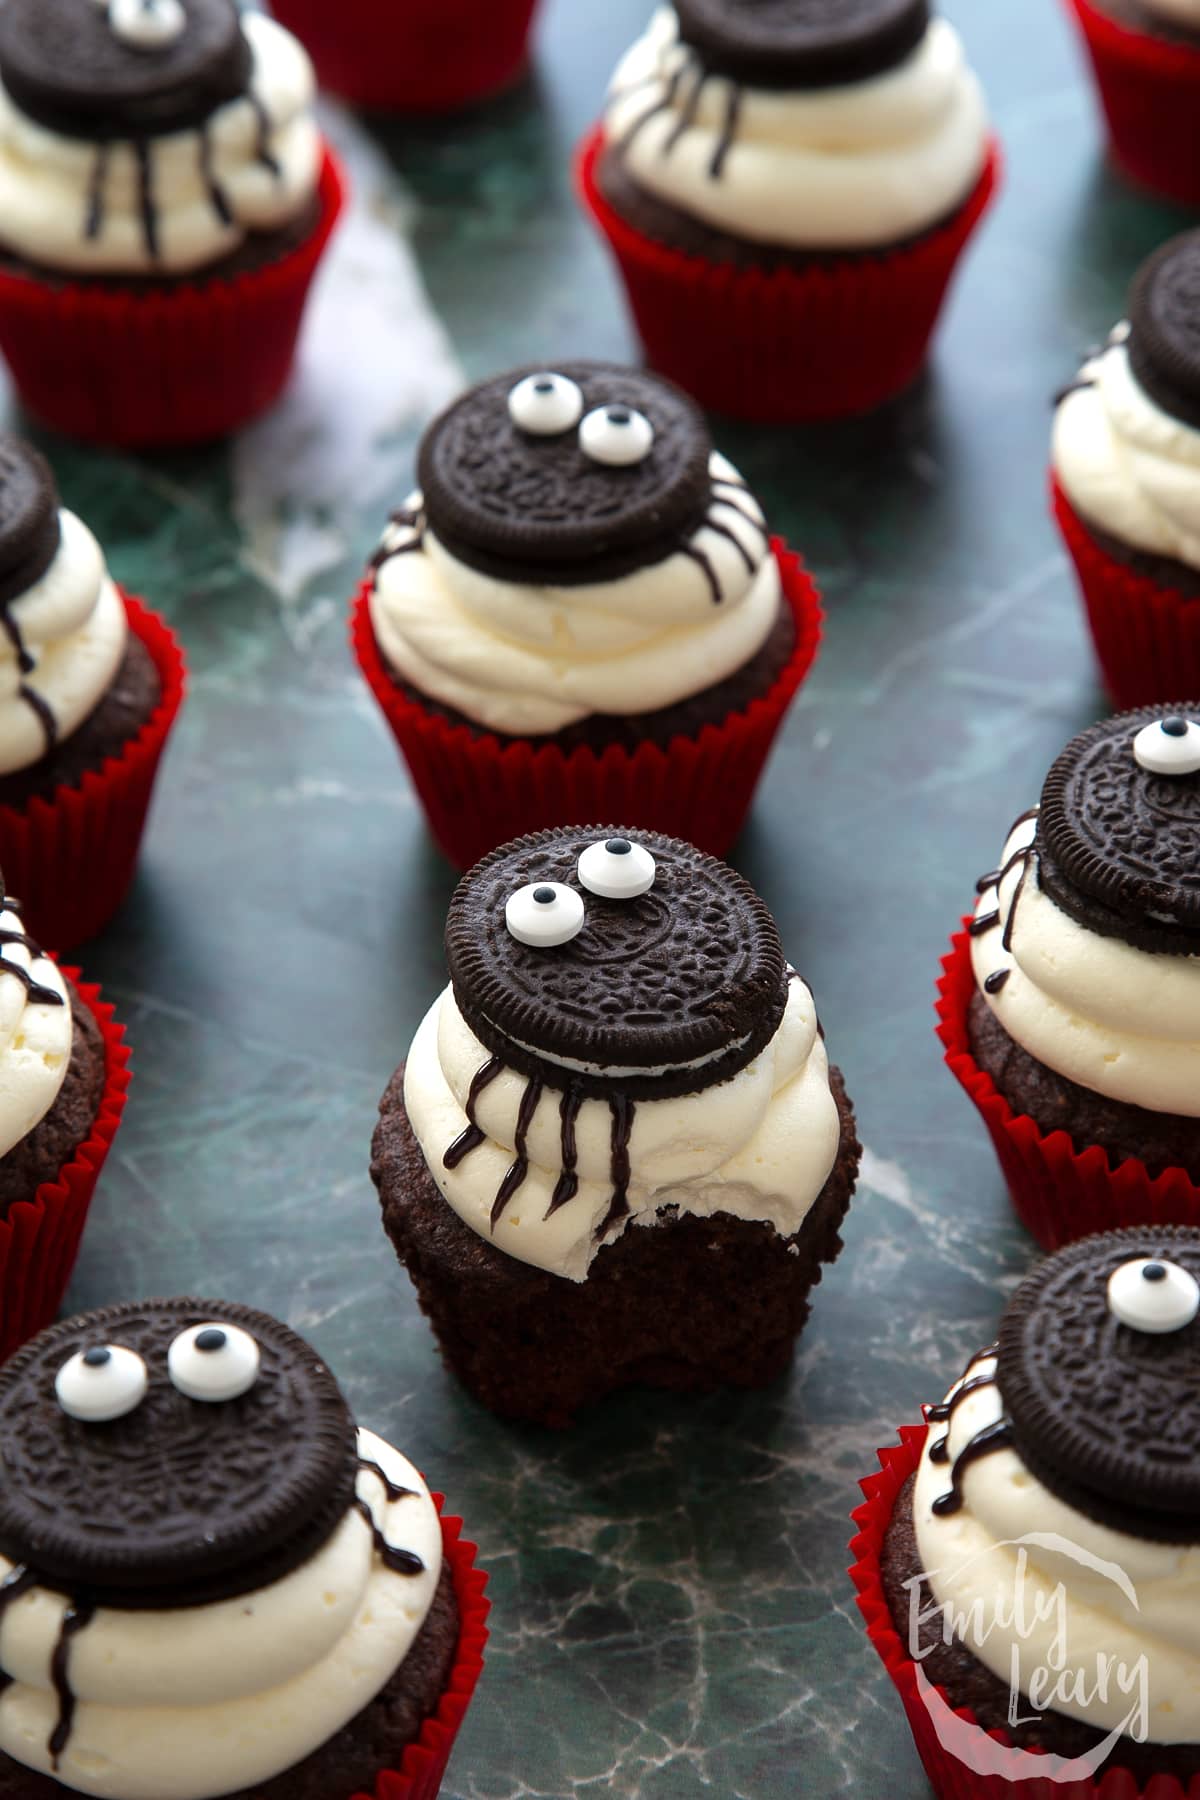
671, 1613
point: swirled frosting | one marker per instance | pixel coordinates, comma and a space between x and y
35, 1031
524, 659
851, 167
759, 1146
193, 1703
1124, 463
167, 204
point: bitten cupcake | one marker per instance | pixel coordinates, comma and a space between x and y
165, 197
1070, 1009
787, 190
1127, 483
581, 614
1146, 58
212, 1583
617, 1152
90, 684
1026, 1562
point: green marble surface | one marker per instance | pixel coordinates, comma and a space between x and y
671, 1615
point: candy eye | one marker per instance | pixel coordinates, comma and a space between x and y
544, 914
1171, 746
147, 24
1153, 1295
213, 1362
617, 869
101, 1383
617, 435
545, 404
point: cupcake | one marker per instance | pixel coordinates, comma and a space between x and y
211, 1581
786, 191
93, 686
1126, 483
617, 1153
1146, 58
429, 56
1070, 1008
1026, 1563
165, 197
64, 1073
581, 614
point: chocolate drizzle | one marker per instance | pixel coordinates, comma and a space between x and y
410, 518
987, 921
95, 203
216, 193
520, 1168
262, 152
400, 1562
692, 66
392, 1489
472, 1137
38, 994
710, 574
27, 663
622, 1109
733, 112
996, 1436
567, 1185
147, 204
78, 1616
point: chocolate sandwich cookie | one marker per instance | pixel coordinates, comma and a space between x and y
29, 528
802, 43
1164, 334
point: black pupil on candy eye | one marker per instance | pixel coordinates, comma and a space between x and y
618, 415
1175, 727
544, 896
210, 1340
544, 386
1154, 1271
618, 847
97, 1357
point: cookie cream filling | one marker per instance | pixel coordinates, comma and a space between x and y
1121, 1021
759, 1146
193, 1703
35, 1034
849, 167
1039, 1592
167, 204
1124, 463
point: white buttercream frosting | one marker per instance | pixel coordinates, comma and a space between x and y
1025, 1604
35, 1038
848, 167
524, 659
1121, 1021
759, 1146
197, 1702
1124, 463
53, 188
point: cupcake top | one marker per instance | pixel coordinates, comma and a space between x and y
1126, 443
1086, 937
206, 1570
1065, 1463
621, 1034
148, 136
576, 546
36, 1028
801, 124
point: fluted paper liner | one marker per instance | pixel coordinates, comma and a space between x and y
1150, 91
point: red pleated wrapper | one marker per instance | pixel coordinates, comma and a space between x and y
962, 1761
425, 56
39, 1238
477, 794
1147, 637
786, 345
424, 1762
155, 367
1059, 1193
70, 859
1150, 91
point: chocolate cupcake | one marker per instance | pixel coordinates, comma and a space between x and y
1029, 1576
787, 188
164, 197
212, 1582
1145, 55
617, 1152
581, 613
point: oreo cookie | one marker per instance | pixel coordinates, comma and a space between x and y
1105, 1415
541, 505
174, 1501
1164, 327
64, 66
29, 529
1118, 845
665, 992
802, 43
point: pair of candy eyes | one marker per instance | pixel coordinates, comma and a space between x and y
207, 1362
547, 405
145, 24
545, 913
1170, 746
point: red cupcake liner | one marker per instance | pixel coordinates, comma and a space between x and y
1059, 1193
39, 1238
1147, 637
962, 1761
425, 56
70, 859
478, 794
786, 345
424, 1762
1150, 91
154, 367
